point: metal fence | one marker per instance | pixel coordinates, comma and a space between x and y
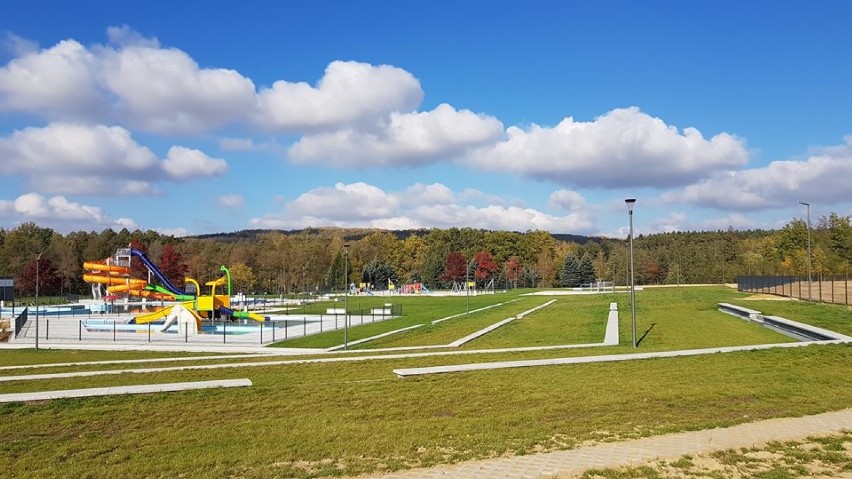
822, 289
100, 328
20, 320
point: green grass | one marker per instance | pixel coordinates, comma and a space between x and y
347, 418
837, 318
416, 310
356, 417
20, 357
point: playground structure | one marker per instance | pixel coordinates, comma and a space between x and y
190, 310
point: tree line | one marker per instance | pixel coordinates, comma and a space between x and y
317, 259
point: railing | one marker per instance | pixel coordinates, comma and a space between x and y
244, 332
823, 289
20, 320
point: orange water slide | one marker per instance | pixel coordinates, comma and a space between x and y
114, 280
102, 267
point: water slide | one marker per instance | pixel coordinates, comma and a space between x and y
112, 281
242, 314
156, 271
183, 316
160, 313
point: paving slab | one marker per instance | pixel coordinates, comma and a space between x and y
135, 389
455, 368
574, 462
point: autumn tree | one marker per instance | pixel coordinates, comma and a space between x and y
242, 277
172, 265
485, 266
513, 269
137, 268
43, 270
455, 267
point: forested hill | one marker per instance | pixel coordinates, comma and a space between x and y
286, 261
353, 234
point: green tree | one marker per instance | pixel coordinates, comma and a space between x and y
378, 273
587, 270
572, 276
242, 277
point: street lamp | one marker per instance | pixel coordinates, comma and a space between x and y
467, 284
630, 202
38, 260
346, 296
808, 205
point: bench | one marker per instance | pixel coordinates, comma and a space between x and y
335, 311
381, 311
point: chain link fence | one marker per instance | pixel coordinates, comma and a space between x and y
823, 289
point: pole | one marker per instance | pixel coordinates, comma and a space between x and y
630, 202
38, 261
346, 297
808, 206
467, 284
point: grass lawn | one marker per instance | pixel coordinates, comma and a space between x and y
347, 418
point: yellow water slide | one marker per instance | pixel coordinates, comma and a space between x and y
163, 313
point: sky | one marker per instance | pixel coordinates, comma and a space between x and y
201, 117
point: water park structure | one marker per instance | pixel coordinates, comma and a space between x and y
189, 309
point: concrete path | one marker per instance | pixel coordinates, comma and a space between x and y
607, 358
137, 389
574, 462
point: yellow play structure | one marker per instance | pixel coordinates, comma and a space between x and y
190, 309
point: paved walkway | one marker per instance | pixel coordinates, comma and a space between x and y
638, 451
606, 358
135, 389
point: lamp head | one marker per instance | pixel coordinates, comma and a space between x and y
804, 204
346, 248
630, 202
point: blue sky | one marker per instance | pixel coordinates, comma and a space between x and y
194, 117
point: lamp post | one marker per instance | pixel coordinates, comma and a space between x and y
467, 284
808, 205
38, 260
630, 202
346, 296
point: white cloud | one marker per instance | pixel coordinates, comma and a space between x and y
567, 199
183, 163
344, 202
56, 82
675, 221
348, 93
165, 91
405, 139
231, 201
136, 82
176, 232
68, 158
128, 223
75, 149
624, 147
824, 178
364, 205
56, 212
436, 193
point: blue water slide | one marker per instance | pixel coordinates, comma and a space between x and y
159, 274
